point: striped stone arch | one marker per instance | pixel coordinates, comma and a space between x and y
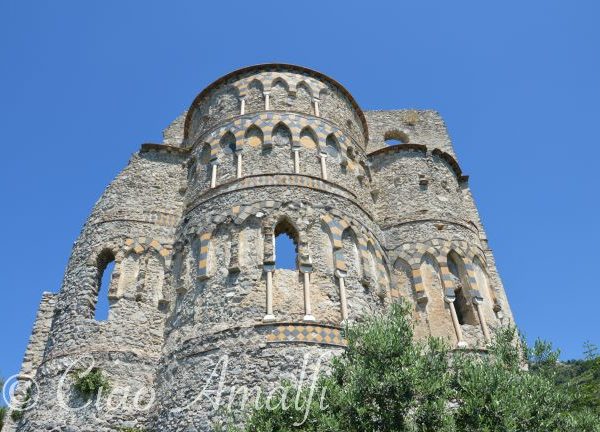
337, 225
336, 229
266, 121
419, 251
268, 78
412, 253
121, 247
403, 256
380, 257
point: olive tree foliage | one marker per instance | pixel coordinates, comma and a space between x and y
387, 381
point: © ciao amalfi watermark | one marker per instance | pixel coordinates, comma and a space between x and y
22, 393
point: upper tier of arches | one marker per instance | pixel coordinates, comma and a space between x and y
274, 87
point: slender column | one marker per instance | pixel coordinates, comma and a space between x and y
323, 157
316, 104
449, 298
239, 165
269, 316
242, 106
478, 303
296, 160
213, 177
343, 299
267, 101
307, 306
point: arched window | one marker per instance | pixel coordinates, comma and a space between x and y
308, 139
279, 95
255, 99
254, 136
332, 147
404, 281
483, 284
464, 312
327, 245
105, 267
303, 100
205, 154
395, 137
286, 246
227, 143
351, 253
282, 137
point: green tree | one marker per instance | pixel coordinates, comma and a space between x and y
387, 381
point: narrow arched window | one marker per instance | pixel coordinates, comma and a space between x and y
254, 136
228, 143
286, 246
332, 147
464, 311
308, 139
351, 253
282, 137
105, 268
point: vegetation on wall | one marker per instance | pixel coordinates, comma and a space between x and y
386, 381
88, 384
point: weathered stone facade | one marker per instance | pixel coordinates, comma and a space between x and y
190, 224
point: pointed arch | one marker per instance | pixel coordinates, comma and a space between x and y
280, 92
228, 142
462, 288
351, 253
403, 284
371, 262
332, 147
281, 135
254, 136
483, 284
205, 154
304, 98
308, 138
431, 276
106, 272
286, 241
255, 100
327, 245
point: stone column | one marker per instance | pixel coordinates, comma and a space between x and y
239, 164
267, 101
242, 105
478, 303
213, 176
269, 316
308, 316
296, 160
316, 105
449, 298
306, 270
343, 301
323, 157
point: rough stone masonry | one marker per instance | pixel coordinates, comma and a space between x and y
375, 202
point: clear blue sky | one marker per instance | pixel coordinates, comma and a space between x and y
83, 84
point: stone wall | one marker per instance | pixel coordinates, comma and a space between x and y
191, 223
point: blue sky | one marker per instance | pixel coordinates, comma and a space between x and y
83, 84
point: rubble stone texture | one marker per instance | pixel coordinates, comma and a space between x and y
190, 223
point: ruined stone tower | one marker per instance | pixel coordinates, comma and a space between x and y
190, 225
